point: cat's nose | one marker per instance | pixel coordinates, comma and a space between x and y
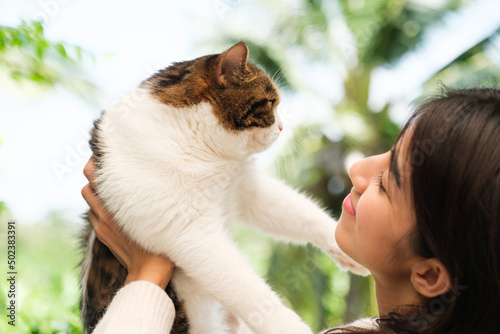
280, 127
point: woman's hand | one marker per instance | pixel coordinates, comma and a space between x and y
140, 264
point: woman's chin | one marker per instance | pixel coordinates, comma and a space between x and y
344, 238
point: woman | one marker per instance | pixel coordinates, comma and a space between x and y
423, 218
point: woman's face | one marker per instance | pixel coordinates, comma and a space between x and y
378, 215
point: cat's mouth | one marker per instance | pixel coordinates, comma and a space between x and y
264, 139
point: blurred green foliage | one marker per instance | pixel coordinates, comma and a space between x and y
25, 53
47, 290
28, 57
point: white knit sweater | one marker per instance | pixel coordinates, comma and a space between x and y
140, 307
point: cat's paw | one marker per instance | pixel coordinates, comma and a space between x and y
277, 319
346, 263
343, 261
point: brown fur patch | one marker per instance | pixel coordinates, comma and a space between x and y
96, 143
181, 322
242, 95
105, 277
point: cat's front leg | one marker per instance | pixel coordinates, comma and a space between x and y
276, 208
215, 265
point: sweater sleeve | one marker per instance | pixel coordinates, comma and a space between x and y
140, 307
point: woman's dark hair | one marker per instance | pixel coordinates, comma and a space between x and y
454, 156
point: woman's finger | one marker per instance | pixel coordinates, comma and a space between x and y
105, 235
97, 216
94, 220
104, 228
88, 171
92, 200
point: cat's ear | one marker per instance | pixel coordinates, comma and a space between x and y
231, 62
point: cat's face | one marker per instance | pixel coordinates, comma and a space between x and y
243, 98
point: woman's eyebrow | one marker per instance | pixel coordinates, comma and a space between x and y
394, 169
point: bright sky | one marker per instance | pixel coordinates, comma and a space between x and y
44, 138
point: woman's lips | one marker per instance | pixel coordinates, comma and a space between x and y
347, 205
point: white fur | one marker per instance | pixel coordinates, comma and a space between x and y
174, 178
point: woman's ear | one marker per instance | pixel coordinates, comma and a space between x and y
430, 278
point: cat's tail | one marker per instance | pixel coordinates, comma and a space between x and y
101, 276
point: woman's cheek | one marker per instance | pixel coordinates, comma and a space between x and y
365, 214
371, 220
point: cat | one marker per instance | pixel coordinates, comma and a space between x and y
174, 168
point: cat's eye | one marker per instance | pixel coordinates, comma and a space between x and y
271, 102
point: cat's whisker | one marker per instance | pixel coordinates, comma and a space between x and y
279, 77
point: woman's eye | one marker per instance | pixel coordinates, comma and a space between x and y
380, 184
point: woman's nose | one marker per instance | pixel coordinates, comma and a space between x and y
365, 170
357, 173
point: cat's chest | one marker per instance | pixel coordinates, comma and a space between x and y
230, 201
218, 192
213, 189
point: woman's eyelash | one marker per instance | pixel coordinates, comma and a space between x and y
380, 184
